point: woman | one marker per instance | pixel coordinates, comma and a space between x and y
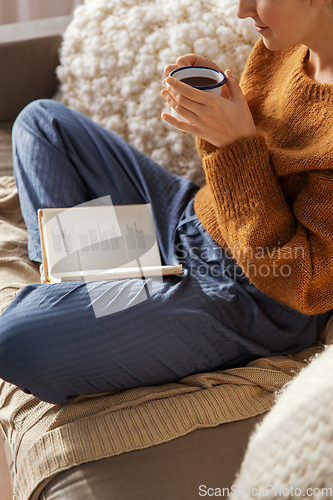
255, 242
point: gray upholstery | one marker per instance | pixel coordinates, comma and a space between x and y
28, 58
169, 471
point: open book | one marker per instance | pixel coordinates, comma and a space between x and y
89, 243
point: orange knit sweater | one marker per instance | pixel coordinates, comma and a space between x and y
268, 200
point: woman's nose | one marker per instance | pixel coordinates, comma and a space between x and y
246, 8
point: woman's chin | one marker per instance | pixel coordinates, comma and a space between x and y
274, 45
268, 44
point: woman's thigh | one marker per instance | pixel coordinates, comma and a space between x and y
63, 159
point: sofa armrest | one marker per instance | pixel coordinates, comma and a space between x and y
28, 59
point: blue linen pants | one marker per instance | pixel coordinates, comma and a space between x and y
51, 343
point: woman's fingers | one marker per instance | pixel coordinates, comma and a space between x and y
196, 60
169, 68
187, 60
182, 125
179, 89
233, 86
190, 60
183, 106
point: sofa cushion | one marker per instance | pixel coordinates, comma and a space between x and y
178, 469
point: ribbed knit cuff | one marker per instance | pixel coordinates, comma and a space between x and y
204, 147
242, 179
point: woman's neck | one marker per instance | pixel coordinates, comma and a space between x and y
319, 69
319, 38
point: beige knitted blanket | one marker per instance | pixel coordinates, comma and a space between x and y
45, 439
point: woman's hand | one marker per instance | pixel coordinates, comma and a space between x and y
220, 120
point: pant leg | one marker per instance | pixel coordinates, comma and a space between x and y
51, 343
53, 346
62, 159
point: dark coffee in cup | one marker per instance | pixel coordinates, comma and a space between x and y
199, 81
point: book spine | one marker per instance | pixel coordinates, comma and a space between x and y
126, 274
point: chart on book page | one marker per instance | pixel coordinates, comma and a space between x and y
99, 238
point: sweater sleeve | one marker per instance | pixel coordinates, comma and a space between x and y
204, 147
287, 252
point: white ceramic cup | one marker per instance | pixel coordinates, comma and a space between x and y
199, 71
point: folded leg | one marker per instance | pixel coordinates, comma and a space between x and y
63, 159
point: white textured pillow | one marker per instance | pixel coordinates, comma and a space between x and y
112, 60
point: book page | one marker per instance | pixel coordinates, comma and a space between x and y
98, 239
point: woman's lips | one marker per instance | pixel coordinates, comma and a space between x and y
261, 29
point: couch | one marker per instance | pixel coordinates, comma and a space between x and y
171, 470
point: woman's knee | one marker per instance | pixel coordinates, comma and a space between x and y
24, 357
35, 117
31, 116
14, 354
28, 361
35, 133
24, 363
